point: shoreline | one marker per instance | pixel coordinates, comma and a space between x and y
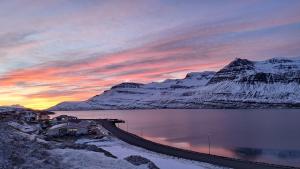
271, 107
32, 150
186, 154
61, 129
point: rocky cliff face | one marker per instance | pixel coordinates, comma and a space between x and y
268, 72
240, 84
234, 71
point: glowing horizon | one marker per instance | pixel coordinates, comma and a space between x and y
54, 51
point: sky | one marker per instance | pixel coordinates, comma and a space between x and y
68, 50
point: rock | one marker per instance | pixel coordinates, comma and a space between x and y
139, 160
17, 150
87, 147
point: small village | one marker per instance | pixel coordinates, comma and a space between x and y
39, 122
32, 139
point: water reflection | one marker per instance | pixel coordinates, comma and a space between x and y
288, 157
251, 153
247, 153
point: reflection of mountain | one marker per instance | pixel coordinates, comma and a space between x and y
247, 153
286, 154
240, 84
252, 153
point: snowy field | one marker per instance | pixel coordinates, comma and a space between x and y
83, 159
121, 150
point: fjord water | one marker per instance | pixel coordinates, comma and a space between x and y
264, 135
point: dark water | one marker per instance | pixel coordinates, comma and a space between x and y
271, 136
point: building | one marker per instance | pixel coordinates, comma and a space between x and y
28, 116
43, 116
57, 130
63, 119
71, 129
23, 115
8, 115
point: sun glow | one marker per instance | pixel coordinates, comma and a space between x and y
41, 103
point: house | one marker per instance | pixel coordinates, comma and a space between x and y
43, 116
63, 119
28, 116
71, 129
93, 128
57, 130
80, 128
8, 115
23, 115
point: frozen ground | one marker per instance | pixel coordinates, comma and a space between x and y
20, 150
121, 150
23, 127
83, 159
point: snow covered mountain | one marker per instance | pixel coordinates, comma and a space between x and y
240, 84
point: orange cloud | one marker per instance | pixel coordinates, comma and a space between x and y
196, 48
48, 84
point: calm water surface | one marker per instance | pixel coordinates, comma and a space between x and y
271, 136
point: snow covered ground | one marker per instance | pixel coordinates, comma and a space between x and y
23, 127
83, 159
121, 150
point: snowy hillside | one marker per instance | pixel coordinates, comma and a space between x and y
240, 84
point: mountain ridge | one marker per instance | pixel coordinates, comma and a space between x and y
240, 84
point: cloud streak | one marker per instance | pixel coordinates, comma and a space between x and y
95, 49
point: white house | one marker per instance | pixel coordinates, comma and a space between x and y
70, 129
63, 119
28, 116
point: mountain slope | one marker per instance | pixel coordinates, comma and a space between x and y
240, 84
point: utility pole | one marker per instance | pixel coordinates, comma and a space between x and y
208, 138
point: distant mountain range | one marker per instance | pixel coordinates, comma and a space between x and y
273, 83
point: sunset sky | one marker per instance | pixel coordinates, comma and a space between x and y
66, 50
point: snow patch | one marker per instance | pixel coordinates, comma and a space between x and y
121, 150
22, 127
79, 159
